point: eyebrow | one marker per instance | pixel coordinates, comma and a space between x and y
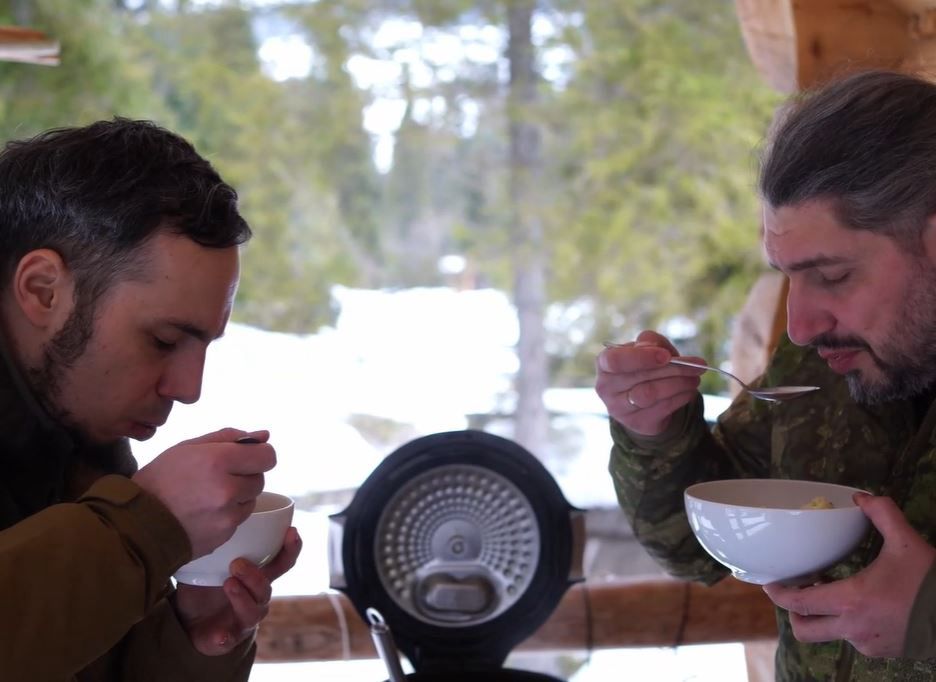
817, 262
192, 330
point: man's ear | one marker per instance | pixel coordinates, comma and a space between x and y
44, 289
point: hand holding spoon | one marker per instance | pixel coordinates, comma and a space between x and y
773, 393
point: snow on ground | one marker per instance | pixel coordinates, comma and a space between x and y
698, 663
423, 357
426, 358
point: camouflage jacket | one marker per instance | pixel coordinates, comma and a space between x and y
887, 449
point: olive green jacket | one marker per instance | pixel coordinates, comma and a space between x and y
888, 450
85, 561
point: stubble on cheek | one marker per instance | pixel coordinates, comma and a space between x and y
58, 358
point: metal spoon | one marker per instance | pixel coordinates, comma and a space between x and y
774, 394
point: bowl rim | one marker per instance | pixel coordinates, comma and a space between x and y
690, 493
280, 501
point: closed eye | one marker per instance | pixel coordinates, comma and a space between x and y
831, 280
163, 345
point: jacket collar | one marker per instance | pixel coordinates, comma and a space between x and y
42, 463
23, 422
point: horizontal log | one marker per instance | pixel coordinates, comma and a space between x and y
638, 613
18, 44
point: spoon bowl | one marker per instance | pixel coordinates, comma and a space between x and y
774, 394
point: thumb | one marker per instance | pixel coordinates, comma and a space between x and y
884, 513
227, 435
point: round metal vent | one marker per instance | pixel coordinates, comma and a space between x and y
464, 544
457, 545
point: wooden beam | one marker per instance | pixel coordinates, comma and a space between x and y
28, 46
798, 44
770, 37
640, 613
914, 6
838, 36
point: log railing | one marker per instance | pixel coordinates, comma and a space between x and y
18, 44
603, 615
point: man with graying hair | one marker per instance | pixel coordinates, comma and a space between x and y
848, 182
118, 267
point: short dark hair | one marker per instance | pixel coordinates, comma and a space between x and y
96, 194
867, 142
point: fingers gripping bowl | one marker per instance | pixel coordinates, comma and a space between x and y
774, 530
257, 539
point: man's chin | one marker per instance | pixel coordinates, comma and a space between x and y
869, 391
866, 392
94, 440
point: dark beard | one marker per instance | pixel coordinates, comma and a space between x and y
907, 358
907, 379
68, 344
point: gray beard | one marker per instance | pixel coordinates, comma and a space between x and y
898, 387
907, 359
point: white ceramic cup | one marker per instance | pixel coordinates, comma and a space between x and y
258, 539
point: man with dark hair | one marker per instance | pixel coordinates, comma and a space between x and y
848, 181
118, 267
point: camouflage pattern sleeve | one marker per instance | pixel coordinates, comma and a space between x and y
650, 475
920, 642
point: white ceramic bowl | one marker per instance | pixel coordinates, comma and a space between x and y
759, 529
257, 539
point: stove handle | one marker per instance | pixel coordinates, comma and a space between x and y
336, 569
579, 536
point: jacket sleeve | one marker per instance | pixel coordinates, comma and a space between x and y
651, 473
76, 577
157, 649
84, 588
920, 641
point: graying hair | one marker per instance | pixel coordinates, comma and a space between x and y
867, 142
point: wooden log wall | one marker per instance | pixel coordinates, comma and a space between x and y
797, 44
605, 615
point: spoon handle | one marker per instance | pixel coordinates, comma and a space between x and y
697, 365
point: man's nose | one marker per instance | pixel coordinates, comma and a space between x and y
182, 380
807, 318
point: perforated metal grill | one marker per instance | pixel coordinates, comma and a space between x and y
457, 545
